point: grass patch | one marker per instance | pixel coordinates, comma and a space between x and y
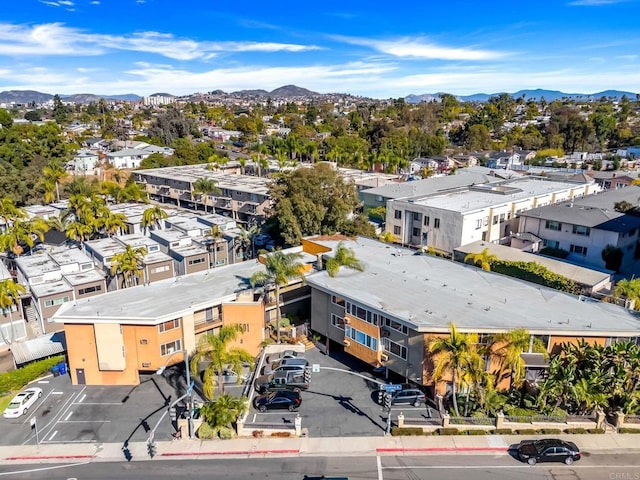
16, 379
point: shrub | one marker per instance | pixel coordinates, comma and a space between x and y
595, 431
577, 430
512, 411
450, 431
502, 431
281, 434
406, 431
476, 432
206, 432
628, 430
226, 433
526, 431
16, 379
550, 431
257, 433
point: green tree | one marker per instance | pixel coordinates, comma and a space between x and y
23, 233
213, 350
9, 211
630, 290
343, 257
508, 347
483, 259
224, 411
152, 217
452, 357
52, 174
280, 269
10, 293
129, 264
6, 121
204, 187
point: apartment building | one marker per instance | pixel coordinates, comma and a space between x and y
243, 198
388, 313
487, 212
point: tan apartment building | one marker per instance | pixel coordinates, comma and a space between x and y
241, 197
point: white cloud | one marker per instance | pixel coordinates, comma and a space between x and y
59, 3
594, 3
419, 48
95, 2
57, 39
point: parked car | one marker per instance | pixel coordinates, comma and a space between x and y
22, 402
409, 396
287, 365
276, 357
548, 450
278, 400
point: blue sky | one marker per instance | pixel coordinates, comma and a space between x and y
370, 48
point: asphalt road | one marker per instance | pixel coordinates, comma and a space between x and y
442, 467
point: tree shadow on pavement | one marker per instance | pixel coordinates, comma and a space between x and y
346, 403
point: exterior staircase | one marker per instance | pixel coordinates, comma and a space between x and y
308, 344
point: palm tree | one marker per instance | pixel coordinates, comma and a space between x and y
343, 257
263, 165
21, 233
452, 356
280, 269
205, 186
484, 259
243, 163
630, 290
244, 240
111, 222
52, 174
214, 349
9, 211
508, 347
128, 263
10, 292
224, 411
151, 218
79, 231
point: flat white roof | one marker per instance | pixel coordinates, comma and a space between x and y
428, 293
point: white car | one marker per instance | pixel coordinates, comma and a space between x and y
22, 402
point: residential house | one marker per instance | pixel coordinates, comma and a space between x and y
611, 180
128, 158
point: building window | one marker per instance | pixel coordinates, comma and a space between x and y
579, 250
478, 224
502, 217
416, 232
581, 230
337, 321
56, 301
416, 216
436, 223
486, 221
394, 348
361, 338
163, 268
396, 230
396, 326
84, 291
170, 325
337, 300
196, 261
551, 243
397, 214
553, 225
426, 221
495, 219
171, 347
363, 314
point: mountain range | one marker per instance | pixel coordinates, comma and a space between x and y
28, 96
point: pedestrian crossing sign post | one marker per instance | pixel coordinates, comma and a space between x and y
315, 368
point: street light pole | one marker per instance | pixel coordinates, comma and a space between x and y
188, 395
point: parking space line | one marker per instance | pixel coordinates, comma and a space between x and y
57, 393
53, 435
82, 399
68, 416
255, 415
379, 465
65, 408
32, 412
43, 381
84, 421
98, 403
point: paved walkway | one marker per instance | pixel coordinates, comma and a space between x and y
283, 447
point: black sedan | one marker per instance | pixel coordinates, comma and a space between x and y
276, 400
548, 450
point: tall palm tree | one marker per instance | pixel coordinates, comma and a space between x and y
281, 268
204, 186
9, 211
244, 240
214, 349
10, 292
23, 233
452, 356
151, 218
508, 347
111, 222
243, 163
224, 411
129, 264
630, 290
79, 231
52, 174
484, 259
343, 257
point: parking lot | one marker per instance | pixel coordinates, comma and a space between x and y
337, 403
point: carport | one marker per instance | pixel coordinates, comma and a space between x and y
38, 348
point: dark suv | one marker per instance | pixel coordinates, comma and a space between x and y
409, 396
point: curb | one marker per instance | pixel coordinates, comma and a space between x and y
441, 449
231, 452
52, 457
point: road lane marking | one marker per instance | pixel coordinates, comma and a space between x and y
379, 465
57, 393
68, 416
82, 399
84, 421
42, 469
28, 419
99, 403
43, 381
53, 435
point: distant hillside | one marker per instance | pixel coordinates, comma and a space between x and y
90, 97
24, 96
292, 91
251, 93
161, 95
548, 95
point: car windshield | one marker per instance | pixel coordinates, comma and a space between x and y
14, 405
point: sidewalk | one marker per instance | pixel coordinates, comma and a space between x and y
287, 447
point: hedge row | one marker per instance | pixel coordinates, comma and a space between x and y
409, 431
16, 379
